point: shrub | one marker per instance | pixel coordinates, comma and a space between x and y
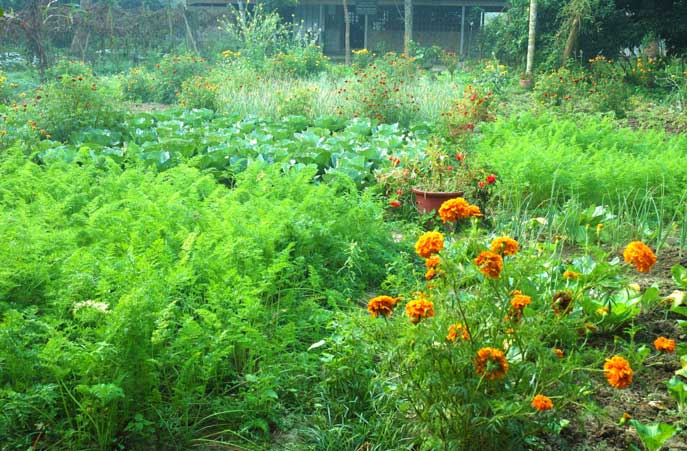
74, 102
140, 85
299, 100
4, 89
474, 107
171, 72
298, 62
199, 92
380, 91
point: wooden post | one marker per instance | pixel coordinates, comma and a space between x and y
408, 28
462, 30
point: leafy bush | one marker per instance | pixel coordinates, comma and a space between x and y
298, 100
74, 102
4, 89
298, 62
172, 71
379, 91
140, 85
199, 92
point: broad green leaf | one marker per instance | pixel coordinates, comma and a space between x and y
653, 436
679, 275
678, 390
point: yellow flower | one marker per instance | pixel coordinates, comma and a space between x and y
542, 403
569, 274
504, 246
491, 363
663, 344
418, 309
429, 243
489, 264
454, 330
618, 372
640, 255
382, 306
456, 209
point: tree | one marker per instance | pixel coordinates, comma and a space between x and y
531, 36
408, 25
347, 33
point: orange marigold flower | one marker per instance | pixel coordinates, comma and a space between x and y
618, 372
542, 403
571, 274
491, 363
559, 353
456, 209
429, 243
432, 262
454, 330
663, 344
504, 246
520, 301
418, 309
490, 264
431, 274
638, 254
381, 306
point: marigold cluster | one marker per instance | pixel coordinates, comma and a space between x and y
490, 264
418, 309
559, 353
618, 372
504, 246
456, 209
491, 363
429, 243
457, 329
663, 344
640, 255
542, 403
381, 306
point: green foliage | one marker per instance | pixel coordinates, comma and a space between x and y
147, 308
297, 101
172, 71
588, 158
298, 62
379, 91
654, 435
199, 92
140, 85
76, 100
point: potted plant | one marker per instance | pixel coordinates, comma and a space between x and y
526, 81
430, 177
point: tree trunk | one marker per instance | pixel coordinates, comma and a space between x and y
408, 25
571, 41
347, 34
532, 36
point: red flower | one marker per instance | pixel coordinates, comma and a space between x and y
395, 203
450, 168
399, 192
460, 156
491, 178
481, 184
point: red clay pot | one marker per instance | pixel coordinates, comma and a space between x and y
428, 201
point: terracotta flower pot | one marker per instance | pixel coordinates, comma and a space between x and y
429, 201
